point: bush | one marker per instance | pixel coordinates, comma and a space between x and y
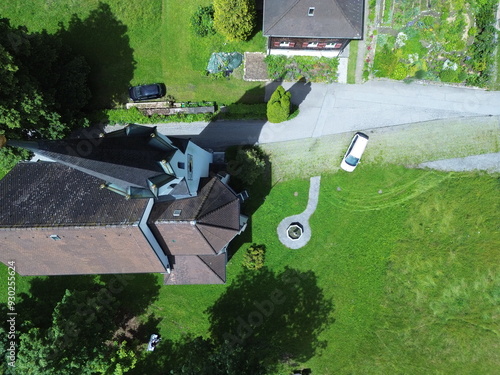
278, 106
449, 75
254, 257
246, 164
235, 19
134, 116
400, 71
203, 21
255, 111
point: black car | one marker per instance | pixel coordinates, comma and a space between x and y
145, 92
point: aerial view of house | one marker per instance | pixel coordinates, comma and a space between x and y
241, 187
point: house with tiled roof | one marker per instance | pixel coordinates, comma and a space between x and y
312, 27
129, 201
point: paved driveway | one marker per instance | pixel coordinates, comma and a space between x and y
337, 108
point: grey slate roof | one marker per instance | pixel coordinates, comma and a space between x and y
125, 161
331, 19
46, 194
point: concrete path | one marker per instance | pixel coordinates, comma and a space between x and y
485, 162
302, 218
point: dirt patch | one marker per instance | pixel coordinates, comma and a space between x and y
255, 67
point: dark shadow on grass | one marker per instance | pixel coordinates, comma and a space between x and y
102, 39
275, 317
129, 296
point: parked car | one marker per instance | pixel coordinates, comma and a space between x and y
354, 152
146, 92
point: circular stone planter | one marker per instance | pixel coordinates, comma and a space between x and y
295, 231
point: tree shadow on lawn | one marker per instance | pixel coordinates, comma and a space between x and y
273, 316
133, 293
102, 39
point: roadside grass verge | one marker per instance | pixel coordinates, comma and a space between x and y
351, 65
408, 257
409, 144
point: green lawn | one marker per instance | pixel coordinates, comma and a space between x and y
140, 42
351, 65
406, 259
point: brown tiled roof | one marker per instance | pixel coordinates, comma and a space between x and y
200, 225
209, 269
49, 194
79, 251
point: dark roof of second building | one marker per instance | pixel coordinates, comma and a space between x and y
45, 194
329, 19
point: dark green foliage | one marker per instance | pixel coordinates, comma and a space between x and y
278, 106
246, 164
483, 47
44, 88
203, 21
255, 111
133, 115
254, 257
235, 19
420, 74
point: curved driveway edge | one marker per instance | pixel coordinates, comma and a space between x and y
302, 218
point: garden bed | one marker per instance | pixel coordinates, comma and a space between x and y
447, 42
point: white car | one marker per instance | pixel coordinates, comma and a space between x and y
354, 152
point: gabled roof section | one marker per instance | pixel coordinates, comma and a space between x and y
46, 194
330, 19
201, 225
210, 269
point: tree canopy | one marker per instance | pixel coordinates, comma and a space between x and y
235, 19
44, 87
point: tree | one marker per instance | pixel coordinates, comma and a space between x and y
44, 87
246, 164
235, 19
278, 106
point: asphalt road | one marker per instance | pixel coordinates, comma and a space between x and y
340, 108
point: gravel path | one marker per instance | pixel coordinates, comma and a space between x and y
484, 162
302, 218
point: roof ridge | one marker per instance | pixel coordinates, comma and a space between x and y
216, 210
283, 15
204, 199
215, 272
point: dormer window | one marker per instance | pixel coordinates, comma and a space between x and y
177, 212
310, 12
55, 237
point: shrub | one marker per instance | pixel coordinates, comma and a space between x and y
278, 106
420, 74
235, 19
254, 257
449, 75
134, 116
400, 71
203, 21
246, 164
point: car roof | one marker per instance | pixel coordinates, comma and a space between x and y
360, 141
